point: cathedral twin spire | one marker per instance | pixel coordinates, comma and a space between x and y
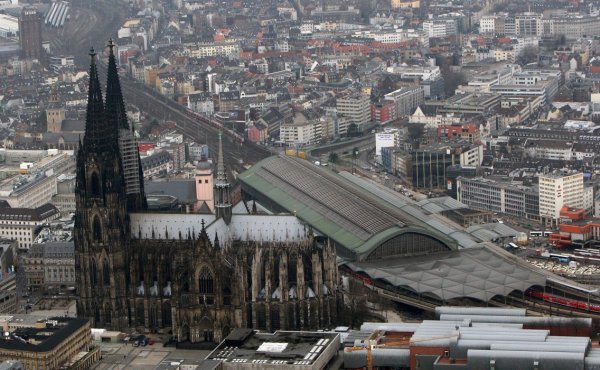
96, 130
115, 106
108, 134
104, 117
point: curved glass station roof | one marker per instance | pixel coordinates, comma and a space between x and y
355, 213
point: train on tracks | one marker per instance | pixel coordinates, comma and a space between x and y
563, 301
203, 119
573, 303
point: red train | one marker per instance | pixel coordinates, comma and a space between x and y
202, 118
357, 276
567, 302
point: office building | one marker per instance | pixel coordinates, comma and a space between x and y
30, 34
50, 266
558, 190
430, 164
21, 224
356, 107
41, 343
407, 99
485, 194
30, 191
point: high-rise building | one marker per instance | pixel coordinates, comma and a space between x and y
407, 99
558, 190
356, 107
30, 34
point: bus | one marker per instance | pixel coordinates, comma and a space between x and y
513, 246
562, 258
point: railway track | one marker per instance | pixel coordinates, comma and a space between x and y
535, 307
160, 107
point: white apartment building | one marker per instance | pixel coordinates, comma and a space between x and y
440, 28
201, 102
301, 133
407, 99
472, 157
433, 121
483, 82
574, 26
549, 149
532, 83
504, 55
558, 190
491, 24
20, 224
526, 24
383, 37
307, 27
212, 49
356, 107
421, 72
341, 125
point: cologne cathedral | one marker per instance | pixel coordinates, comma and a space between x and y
197, 276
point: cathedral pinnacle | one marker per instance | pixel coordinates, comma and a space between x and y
96, 131
222, 188
221, 175
115, 106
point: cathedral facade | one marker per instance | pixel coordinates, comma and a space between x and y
195, 276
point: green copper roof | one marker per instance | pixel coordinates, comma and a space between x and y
350, 213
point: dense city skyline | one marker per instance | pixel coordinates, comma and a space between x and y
316, 184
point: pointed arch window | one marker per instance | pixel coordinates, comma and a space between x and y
93, 272
95, 185
97, 228
106, 272
206, 281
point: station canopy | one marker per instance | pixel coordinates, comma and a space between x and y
476, 273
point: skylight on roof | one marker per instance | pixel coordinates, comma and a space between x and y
272, 347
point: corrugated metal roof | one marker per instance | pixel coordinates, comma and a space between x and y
356, 213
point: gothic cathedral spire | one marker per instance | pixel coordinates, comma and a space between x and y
96, 130
116, 118
102, 220
222, 188
115, 107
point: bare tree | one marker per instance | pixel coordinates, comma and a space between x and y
452, 80
528, 54
415, 131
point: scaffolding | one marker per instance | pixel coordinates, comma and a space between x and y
130, 161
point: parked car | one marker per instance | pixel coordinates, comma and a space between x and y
141, 340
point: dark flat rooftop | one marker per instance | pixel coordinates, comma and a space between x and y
49, 337
280, 348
